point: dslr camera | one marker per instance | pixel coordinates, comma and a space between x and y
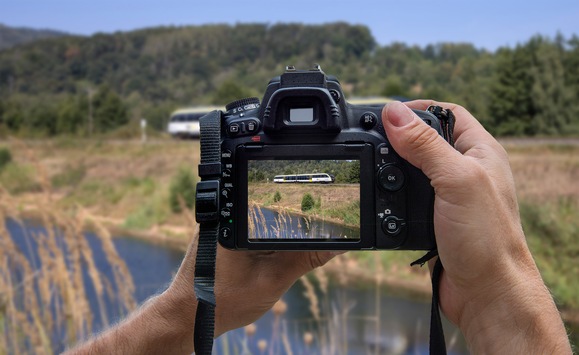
305, 170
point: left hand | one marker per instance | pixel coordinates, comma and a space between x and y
247, 284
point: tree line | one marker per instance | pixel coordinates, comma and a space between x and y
344, 171
82, 85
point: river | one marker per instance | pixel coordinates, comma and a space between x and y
350, 318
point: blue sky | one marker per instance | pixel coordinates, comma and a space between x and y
487, 24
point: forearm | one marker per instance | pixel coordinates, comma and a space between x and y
524, 321
164, 324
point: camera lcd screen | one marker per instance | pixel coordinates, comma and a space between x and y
301, 115
303, 199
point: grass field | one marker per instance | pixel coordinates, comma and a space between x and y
127, 183
334, 202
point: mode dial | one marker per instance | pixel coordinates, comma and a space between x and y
242, 105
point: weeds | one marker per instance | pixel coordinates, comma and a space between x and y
182, 188
5, 157
43, 299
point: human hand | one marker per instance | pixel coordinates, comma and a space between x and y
490, 287
247, 284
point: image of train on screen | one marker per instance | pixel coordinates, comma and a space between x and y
315, 178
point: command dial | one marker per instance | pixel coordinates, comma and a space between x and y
242, 105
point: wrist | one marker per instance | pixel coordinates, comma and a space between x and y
520, 319
175, 313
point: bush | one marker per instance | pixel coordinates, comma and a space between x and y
182, 190
276, 197
307, 202
5, 157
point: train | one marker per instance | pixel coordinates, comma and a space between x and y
314, 178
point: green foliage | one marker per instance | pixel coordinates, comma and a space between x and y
182, 190
228, 92
18, 179
551, 231
45, 86
345, 172
530, 94
276, 197
308, 202
5, 157
109, 110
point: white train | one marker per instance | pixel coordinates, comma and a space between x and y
184, 123
320, 178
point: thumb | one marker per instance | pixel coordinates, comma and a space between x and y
417, 142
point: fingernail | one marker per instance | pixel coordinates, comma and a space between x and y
399, 114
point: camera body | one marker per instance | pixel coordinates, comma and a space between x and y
303, 139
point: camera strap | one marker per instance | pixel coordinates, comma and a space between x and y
437, 342
207, 215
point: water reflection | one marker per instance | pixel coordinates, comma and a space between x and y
265, 223
352, 321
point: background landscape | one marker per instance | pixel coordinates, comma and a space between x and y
71, 154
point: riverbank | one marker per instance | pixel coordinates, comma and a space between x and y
124, 185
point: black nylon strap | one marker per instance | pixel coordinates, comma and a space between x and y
209, 169
437, 342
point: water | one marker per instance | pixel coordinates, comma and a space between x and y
270, 224
403, 322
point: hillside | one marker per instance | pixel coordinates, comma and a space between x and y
45, 85
13, 36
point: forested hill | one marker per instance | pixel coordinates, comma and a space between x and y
48, 85
12, 36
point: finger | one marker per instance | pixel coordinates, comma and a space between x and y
298, 263
468, 132
418, 143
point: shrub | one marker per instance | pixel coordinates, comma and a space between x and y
307, 202
182, 190
5, 157
276, 197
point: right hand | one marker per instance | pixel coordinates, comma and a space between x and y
490, 287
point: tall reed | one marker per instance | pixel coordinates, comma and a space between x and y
44, 304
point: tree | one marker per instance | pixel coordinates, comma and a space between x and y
228, 92
307, 202
72, 115
109, 110
511, 106
552, 98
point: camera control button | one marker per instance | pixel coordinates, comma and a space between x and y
226, 173
391, 178
335, 95
226, 154
392, 225
225, 233
226, 193
233, 129
368, 120
251, 126
225, 213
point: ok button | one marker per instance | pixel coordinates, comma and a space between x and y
391, 178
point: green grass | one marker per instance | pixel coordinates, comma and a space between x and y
17, 178
552, 231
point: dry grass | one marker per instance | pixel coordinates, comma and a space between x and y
27, 291
545, 173
43, 298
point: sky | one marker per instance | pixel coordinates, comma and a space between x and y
486, 24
